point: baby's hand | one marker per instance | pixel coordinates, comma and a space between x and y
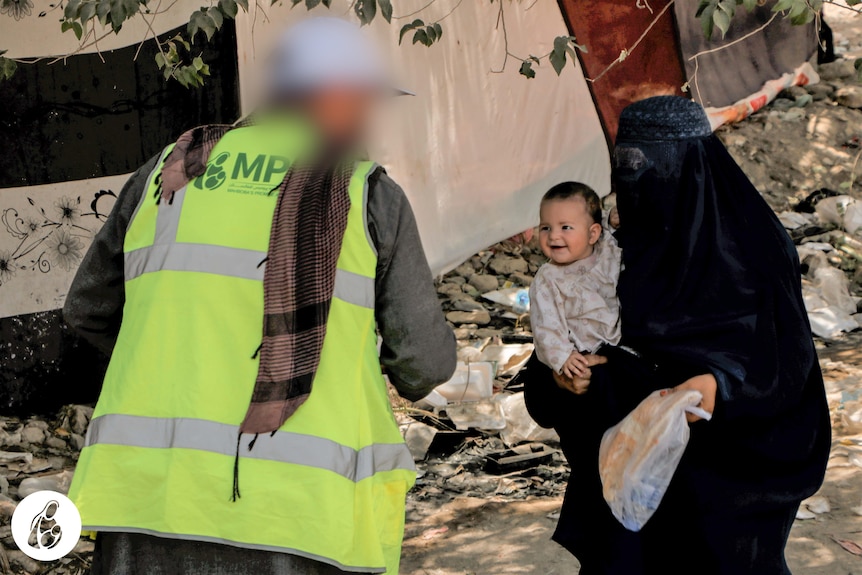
577, 385
576, 366
614, 218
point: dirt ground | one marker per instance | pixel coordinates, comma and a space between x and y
499, 535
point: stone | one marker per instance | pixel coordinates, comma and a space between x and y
465, 270
32, 434
58, 482
448, 288
24, 563
7, 507
80, 419
470, 290
419, 438
16, 457
484, 283
78, 441
521, 278
506, 265
837, 70
458, 280
10, 439
820, 91
463, 333
849, 96
38, 423
84, 546
467, 303
55, 442
475, 317
793, 92
4, 485
488, 332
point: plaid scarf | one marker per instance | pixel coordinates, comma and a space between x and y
305, 242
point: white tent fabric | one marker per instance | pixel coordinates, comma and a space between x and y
474, 150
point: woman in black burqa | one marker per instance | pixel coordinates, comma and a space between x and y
711, 299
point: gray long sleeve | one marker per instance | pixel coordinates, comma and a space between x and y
419, 350
94, 304
418, 346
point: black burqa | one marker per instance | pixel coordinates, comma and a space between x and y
711, 284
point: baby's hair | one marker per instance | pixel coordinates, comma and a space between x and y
568, 190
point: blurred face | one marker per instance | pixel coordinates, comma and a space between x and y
342, 114
567, 233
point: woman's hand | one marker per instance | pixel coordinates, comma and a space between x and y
576, 385
708, 388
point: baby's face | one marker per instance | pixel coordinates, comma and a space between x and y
567, 233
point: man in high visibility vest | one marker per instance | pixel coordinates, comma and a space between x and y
240, 285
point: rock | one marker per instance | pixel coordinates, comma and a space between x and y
80, 419
37, 423
521, 278
24, 563
16, 456
820, 91
55, 442
447, 289
32, 434
7, 507
849, 96
466, 303
4, 486
9, 439
488, 332
793, 92
837, 70
793, 115
470, 290
84, 546
505, 265
419, 437
464, 317
58, 482
463, 333
458, 280
484, 283
465, 270
78, 441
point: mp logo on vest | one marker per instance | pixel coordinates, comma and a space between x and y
262, 169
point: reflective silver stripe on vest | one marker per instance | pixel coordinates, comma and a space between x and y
214, 437
233, 262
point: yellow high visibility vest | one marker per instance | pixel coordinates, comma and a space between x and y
329, 485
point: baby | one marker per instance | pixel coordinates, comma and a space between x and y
573, 300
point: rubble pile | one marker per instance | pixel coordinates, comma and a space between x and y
37, 455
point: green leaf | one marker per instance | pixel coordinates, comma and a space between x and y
71, 9
161, 62
216, 16
386, 9
88, 10
7, 67
431, 32
198, 63
421, 36
439, 29
310, 4
526, 69
366, 10
853, 2
750, 5
229, 8
77, 29
408, 27
201, 21
103, 10
558, 54
243, 4
66, 25
722, 21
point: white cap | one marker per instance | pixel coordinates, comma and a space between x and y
325, 51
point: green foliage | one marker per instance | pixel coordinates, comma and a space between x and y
719, 13
78, 13
425, 34
170, 62
564, 45
857, 64
7, 66
526, 68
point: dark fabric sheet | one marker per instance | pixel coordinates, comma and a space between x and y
733, 73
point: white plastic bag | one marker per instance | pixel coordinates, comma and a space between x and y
639, 455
